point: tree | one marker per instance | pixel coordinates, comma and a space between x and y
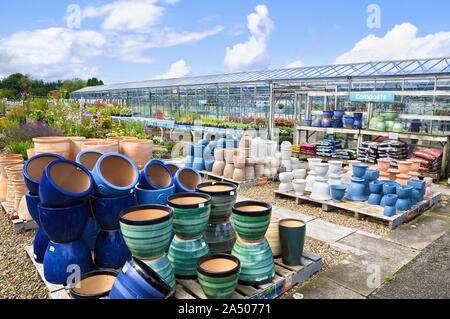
94, 82
73, 85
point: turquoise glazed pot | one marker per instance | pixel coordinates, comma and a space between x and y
252, 219
223, 197
218, 274
220, 237
163, 268
292, 238
190, 214
147, 230
184, 254
257, 264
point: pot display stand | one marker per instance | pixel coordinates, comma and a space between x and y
365, 210
20, 225
244, 184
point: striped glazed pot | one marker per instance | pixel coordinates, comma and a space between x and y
184, 254
223, 196
220, 237
162, 266
252, 219
147, 230
218, 274
190, 214
257, 264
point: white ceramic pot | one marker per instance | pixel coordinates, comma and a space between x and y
321, 190
334, 179
286, 155
287, 164
278, 156
312, 161
285, 187
299, 173
271, 148
286, 177
321, 169
310, 180
335, 167
268, 172
299, 186
275, 163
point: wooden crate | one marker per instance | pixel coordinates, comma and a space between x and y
245, 184
20, 225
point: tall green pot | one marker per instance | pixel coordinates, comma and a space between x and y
292, 237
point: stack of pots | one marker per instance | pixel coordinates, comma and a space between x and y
321, 189
32, 174
286, 154
7, 160
419, 189
414, 172
208, 155
120, 140
357, 123
191, 213
383, 166
116, 177
219, 161
189, 162
357, 187
404, 167
64, 191
251, 220
286, 182
220, 234
311, 178
156, 184
228, 171
16, 187
147, 231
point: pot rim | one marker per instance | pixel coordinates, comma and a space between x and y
25, 166
265, 212
222, 274
106, 182
218, 193
177, 176
51, 139
292, 219
189, 206
338, 187
147, 222
152, 162
92, 274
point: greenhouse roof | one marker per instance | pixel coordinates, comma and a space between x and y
401, 68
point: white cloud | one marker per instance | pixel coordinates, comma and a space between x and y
295, 64
399, 43
54, 53
169, 37
253, 52
177, 70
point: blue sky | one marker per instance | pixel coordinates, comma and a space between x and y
121, 41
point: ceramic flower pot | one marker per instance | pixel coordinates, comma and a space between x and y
156, 175
359, 170
403, 179
104, 147
370, 176
384, 164
299, 173
292, 237
190, 156
223, 197
334, 179
228, 171
389, 188
335, 167
349, 121
404, 194
398, 127
356, 190
153, 197
147, 230
107, 210
251, 219
273, 236
64, 225
61, 260
75, 146
111, 251
393, 174
90, 233
239, 175
186, 180
94, 285
420, 186
321, 169
218, 275
40, 245
376, 192
390, 115
299, 186
220, 237
184, 254
257, 263
53, 145
174, 168
384, 176
115, 175
199, 163
5, 161
89, 158
161, 265
321, 189
218, 168
404, 167
139, 151
286, 177
415, 165
32, 205
390, 204
338, 192
136, 280
33, 169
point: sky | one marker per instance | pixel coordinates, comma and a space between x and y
134, 40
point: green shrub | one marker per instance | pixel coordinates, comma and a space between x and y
20, 148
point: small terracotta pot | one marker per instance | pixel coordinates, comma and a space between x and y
404, 167
350, 163
384, 164
104, 147
239, 175
415, 165
53, 145
393, 174
139, 151
403, 179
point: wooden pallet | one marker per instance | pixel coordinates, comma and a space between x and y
363, 209
286, 277
20, 225
245, 184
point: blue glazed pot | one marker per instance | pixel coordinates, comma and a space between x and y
136, 280
415, 196
339, 113
208, 155
222, 143
337, 123
389, 187
90, 232
32, 205
359, 170
115, 175
65, 184
328, 113
190, 156
389, 208
198, 164
33, 169
173, 168
420, 186
64, 225
326, 124
111, 251
356, 190
338, 192
309, 122
186, 179
89, 158
370, 176
153, 197
64, 260
40, 244
107, 210
156, 175
317, 124
358, 116
376, 190
349, 120
404, 194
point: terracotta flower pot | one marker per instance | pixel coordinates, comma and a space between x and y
14, 173
384, 164
20, 189
53, 145
76, 144
7, 160
94, 285
139, 151
104, 147
393, 174
23, 210
273, 236
403, 179
173, 168
415, 165
385, 176
404, 167
31, 153
75, 148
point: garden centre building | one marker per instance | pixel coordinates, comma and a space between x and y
417, 88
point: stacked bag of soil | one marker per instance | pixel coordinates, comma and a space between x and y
368, 152
395, 150
431, 159
307, 149
346, 154
327, 147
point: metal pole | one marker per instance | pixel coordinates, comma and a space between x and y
271, 111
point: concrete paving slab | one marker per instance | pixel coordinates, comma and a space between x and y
421, 232
325, 231
442, 209
286, 213
324, 288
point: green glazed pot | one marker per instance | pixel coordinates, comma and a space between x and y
190, 214
390, 125
373, 123
390, 115
257, 264
164, 269
381, 126
251, 219
147, 230
184, 254
292, 238
218, 274
220, 237
398, 127
223, 197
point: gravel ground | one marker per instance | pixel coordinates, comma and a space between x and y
18, 276
339, 217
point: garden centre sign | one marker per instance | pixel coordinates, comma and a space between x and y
371, 96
